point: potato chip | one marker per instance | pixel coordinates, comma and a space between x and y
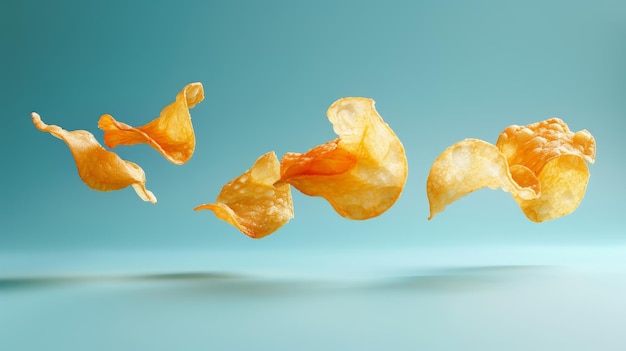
362, 173
542, 165
100, 169
252, 202
470, 165
171, 133
557, 156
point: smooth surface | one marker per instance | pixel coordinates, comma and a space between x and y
513, 299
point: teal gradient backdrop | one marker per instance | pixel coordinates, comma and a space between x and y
439, 71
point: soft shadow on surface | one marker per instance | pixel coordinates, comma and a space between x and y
460, 278
10, 283
426, 280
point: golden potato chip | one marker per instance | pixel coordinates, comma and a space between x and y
252, 203
362, 173
171, 133
557, 156
100, 169
470, 165
541, 164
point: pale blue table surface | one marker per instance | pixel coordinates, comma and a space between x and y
567, 298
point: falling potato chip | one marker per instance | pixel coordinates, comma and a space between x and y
252, 202
362, 173
542, 165
557, 156
171, 133
100, 169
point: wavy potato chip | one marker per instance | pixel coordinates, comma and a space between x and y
557, 156
100, 169
252, 202
362, 173
542, 165
171, 133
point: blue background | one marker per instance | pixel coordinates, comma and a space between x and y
439, 71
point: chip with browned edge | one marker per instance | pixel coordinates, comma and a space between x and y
252, 202
362, 173
100, 169
543, 165
171, 133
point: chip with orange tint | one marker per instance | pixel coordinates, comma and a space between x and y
171, 133
362, 173
252, 202
557, 156
543, 165
100, 169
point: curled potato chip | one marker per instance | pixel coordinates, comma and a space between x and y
252, 202
362, 173
171, 133
557, 156
100, 169
470, 165
542, 165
